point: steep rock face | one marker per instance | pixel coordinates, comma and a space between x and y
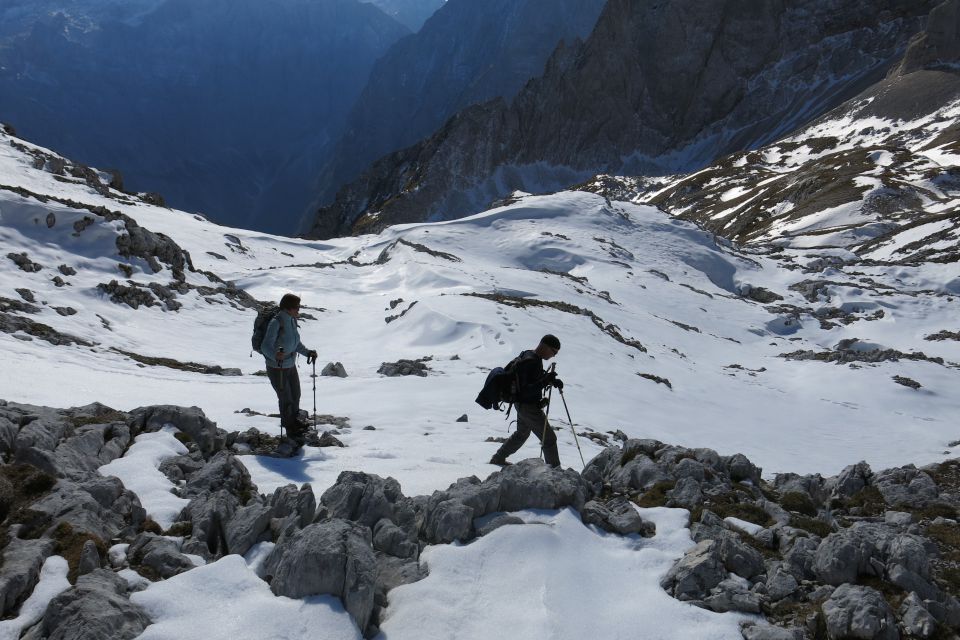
224, 107
657, 87
467, 53
939, 45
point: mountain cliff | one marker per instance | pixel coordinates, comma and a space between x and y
467, 53
658, 87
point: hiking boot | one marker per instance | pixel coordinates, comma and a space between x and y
500, 461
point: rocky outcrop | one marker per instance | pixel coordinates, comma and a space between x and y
799, 549
808, 543
665, 82
938, 46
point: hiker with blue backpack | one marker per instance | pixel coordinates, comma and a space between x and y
279, 346
526, 381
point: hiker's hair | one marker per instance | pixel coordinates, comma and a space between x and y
551, 341
289, 301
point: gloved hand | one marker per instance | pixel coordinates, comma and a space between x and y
557, 382
311, 356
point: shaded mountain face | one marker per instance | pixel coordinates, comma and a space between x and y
411, 13
467, 53
657, 88
225, 107
876, 176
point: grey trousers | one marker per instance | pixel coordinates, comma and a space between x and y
530, 418
286, 382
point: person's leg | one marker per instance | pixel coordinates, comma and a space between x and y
513, 443
536, 422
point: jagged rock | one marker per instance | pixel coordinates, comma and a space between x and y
732, 595
770, 632
859, 612
391, 539
89, 558
208, 515
403, 368
616, 516
23, 261
906, 486
696, 573
363, 498
781, 584
247, 527
916, 620
179, 468
463, 418
530, 484
939, 45
736, 556
685, 493
327, 439
800, 558
741, 469
334, 369
868, 549
190, 420
222, 472
852, 480
160, 554
495, 523
897, 518
449, 520
97, 607
333, 557
100, 507
22, 561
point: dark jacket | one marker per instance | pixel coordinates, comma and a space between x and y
531, 378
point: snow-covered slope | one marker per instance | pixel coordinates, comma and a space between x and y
629, 291
667, 332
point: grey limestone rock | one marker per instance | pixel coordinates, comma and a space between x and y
89, 558
696, 573
22, 561
906, 486
530, 484
781, 584
851, 480
97, 607
495, 522
159, 554
915, 619
732, 595
208, 515
364, 498
190, 420
99, 506
332, 557
334, 369
686, 493
247, 527
391, 539
741, 469
760, 631
447, 521
222, 472
855, 611
616, 516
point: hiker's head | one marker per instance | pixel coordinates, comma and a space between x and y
549, 346
290, 303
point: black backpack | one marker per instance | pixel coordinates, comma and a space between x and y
264, 316
501, 386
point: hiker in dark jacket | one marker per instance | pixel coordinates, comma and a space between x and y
281, 344
531, 381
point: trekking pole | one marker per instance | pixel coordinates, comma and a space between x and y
314, 376
546, 414
280, 385
570, 420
